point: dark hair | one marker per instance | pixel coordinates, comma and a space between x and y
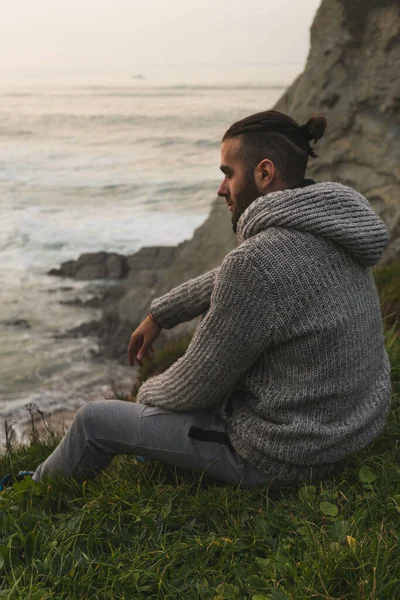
271, 134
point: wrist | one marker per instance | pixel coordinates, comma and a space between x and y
151, 316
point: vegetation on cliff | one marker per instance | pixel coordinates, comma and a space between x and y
149, 531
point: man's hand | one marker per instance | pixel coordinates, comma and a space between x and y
142, 341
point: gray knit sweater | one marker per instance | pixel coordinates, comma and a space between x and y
291, 349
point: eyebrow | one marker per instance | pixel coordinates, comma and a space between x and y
225, 169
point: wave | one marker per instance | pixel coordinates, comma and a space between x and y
15, 133
204, 143
54, 246
229, 87
166, 142
90, 191
62, 119
20, 94
177, 187
130, 91
61, 124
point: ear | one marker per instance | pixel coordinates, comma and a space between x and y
264, 174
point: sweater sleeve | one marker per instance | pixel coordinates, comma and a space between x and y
236, 329
184, 302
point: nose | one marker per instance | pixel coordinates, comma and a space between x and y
223, 190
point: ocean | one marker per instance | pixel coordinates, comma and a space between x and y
99, 164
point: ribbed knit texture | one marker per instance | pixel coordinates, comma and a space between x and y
188, 300
292, 346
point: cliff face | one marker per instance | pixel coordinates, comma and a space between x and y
352, 78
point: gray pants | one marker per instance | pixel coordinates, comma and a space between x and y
106, 428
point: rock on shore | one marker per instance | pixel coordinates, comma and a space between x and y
110, 265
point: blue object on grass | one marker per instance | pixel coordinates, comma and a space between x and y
141, 459
9, 479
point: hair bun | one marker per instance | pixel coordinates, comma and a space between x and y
315, 127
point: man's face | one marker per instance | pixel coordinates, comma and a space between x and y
238, 187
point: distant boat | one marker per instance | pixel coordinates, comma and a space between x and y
139, 76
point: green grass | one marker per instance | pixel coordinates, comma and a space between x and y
387, 279
148, 531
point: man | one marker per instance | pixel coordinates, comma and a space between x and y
287, 373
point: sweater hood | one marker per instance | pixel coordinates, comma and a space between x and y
329, 209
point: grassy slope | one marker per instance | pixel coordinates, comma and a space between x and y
147, 531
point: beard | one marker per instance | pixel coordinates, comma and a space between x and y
244, 197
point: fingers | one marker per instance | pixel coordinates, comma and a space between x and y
144, 352
134, 345
139, 349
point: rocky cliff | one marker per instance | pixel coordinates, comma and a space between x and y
352, 77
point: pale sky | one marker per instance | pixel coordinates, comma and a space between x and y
115, 36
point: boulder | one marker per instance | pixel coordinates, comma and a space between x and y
110, 265
17, 323
94, 265
90, 328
